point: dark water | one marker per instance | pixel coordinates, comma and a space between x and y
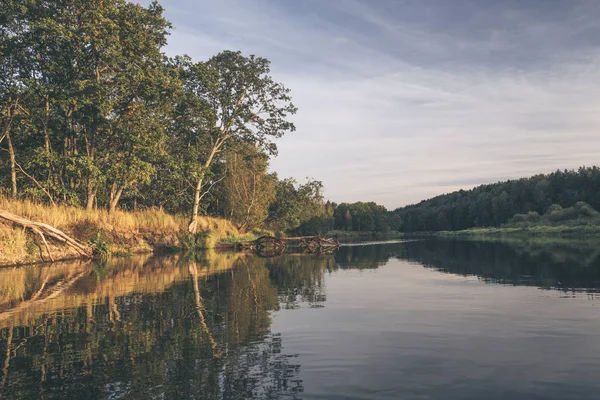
419, 320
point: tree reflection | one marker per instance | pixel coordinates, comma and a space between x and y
555, 264
176, 328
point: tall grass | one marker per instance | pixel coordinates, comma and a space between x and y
126, 232
65, 217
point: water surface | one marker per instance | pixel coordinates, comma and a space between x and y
420, 320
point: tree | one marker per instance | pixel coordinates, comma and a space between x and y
235, 100
12, 28
294, 204
248, 189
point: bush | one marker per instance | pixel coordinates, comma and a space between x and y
100, 247
580, 214
525, 219
201, 240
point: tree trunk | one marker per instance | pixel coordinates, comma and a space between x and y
45, 127
13, 165
194, 221
91, 196
192, 228
115, 197
45, 229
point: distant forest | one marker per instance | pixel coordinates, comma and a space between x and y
512, 201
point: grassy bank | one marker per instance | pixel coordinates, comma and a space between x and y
118, 233
562, 230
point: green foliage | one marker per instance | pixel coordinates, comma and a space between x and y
317, 225
92, 113
228, 101
580, 214
295, 203
247, 189
101, 247
365, 217
200, 241
495, 204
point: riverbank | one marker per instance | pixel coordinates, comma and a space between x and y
538, 230
117, 233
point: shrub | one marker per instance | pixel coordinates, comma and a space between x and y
100, 247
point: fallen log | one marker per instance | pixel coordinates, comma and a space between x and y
44, 230
277, 245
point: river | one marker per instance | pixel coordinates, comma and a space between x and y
426, 319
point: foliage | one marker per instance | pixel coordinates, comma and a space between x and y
93, 114
495, 204
231, 100
361, 217
100, 246
247, 189
580, 214
295, 203
317, 225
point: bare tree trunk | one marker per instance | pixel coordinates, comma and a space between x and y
197, 195
45, 127
45, 229
91, 196
13, 165
115, 196
194, 221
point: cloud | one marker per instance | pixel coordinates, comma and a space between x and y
400, 101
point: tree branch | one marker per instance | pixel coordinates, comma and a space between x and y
211, 186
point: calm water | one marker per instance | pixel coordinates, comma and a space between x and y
419, 320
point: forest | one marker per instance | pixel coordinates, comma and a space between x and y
95, 115
559, 197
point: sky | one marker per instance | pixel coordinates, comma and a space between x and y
400, 101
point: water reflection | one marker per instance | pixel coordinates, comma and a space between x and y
138, 328
556, 264
201, 326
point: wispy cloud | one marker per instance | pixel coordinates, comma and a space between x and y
400, 101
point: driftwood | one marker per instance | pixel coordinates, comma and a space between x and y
43, 230
271, 245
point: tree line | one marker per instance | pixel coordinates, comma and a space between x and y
514, 200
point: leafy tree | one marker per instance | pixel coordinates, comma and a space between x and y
294, 204
235, 100
365, 217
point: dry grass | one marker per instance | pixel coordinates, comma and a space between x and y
65, 217
13, 244
128, 232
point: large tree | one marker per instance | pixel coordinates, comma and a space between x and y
92, 78
236, 101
